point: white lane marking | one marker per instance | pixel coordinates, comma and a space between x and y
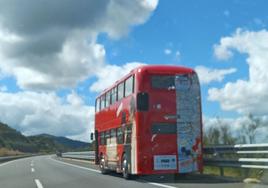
161, 185
32, 169
89, 169
32, 163
93, 170
38, 183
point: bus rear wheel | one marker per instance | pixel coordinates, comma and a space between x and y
102, 165
125, 170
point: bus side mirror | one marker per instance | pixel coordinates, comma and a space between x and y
91, 136
142, 101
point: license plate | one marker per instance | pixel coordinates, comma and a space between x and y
165, 162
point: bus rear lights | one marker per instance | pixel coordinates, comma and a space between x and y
157, 106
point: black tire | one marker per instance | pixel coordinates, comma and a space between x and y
125, 170
102, 165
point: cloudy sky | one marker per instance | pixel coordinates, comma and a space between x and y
55, 56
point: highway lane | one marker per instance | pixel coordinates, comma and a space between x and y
50, 172
16, 174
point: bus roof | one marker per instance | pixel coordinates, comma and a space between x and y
168, 69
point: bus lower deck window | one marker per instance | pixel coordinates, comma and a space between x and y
128, 133
120, 138
102, 138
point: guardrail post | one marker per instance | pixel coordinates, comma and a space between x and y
245, 173
221, 171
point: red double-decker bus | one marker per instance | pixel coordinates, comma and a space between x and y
149, 122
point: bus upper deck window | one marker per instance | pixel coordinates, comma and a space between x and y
107, 99
102, 102
97, 105
120, 91
163, 82
129, 86
113, 95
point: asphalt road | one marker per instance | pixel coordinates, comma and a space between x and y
50, 172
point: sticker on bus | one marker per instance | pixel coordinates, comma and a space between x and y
165, 162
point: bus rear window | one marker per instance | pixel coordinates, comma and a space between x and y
163, 82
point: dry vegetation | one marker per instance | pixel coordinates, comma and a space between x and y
234, 172
8, 152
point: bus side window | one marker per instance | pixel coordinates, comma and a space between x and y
102, 138
120, 136
102, 102
128, 132
129, 86
120, 91
107, 99
97, 105
113, 95
113, 135
107, 137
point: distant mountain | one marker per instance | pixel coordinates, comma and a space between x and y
14, 140
46, 142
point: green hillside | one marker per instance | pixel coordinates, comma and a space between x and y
13, 140
48, 143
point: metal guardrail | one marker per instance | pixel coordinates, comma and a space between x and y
249, 156
86, 155
10, 158
254, 156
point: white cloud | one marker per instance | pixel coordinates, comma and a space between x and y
243, 95
109, 74
36, 113
207, 75
167, 51
177, 55
74, 99
3, 88
53, 44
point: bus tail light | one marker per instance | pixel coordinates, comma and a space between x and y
142, 101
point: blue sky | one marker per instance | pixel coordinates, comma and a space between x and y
67, 62
192, 28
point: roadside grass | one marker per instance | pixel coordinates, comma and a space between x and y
234, 172
7, 152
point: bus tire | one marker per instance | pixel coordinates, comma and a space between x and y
102, 165
125, 170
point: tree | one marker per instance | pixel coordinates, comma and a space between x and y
220, 133
226, 136
212, 136
249, 129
